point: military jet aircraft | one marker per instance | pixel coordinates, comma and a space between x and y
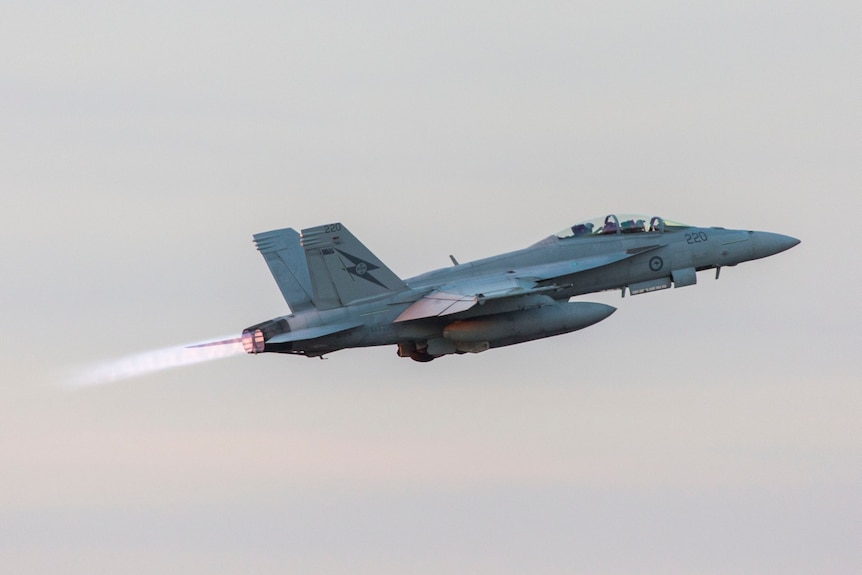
342, 296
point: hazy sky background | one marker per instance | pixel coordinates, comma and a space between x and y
713, 429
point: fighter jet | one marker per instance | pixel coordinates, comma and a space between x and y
342, 296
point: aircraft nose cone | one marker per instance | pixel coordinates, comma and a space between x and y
768, 244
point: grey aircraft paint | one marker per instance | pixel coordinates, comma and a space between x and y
343, 296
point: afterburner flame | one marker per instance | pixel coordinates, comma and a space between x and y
148, 362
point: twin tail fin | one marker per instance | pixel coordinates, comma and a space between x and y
324, 268
342, 270
285, 258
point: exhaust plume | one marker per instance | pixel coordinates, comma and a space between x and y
148, 362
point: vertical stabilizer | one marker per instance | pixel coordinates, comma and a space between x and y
286, 260
342, 270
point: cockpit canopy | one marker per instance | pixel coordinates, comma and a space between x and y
622, 224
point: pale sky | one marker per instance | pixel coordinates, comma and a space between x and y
712, 429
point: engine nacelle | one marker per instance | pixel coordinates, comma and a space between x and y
519, 326
254, 338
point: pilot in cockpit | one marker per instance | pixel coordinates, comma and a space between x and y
582, 229
632, 226
610, 227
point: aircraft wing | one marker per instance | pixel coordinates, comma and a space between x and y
437, 303
462, 295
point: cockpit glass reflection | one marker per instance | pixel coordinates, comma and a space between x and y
614, 224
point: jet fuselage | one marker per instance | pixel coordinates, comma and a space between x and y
508, 298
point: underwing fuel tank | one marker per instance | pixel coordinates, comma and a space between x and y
518, 326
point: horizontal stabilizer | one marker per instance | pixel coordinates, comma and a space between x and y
313, 332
